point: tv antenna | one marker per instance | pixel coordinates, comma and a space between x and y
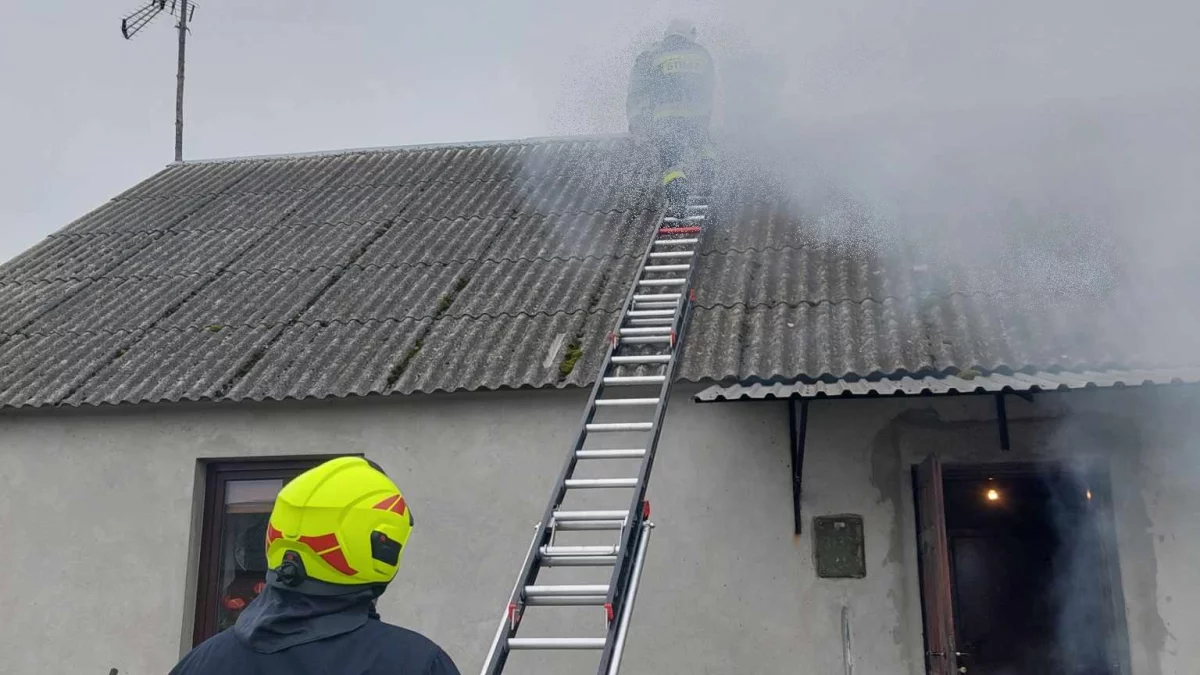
139, 19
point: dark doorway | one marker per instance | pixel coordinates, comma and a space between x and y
1029, 572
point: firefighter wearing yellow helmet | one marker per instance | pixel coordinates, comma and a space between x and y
334, 541
342, 523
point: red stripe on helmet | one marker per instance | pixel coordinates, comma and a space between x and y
386, 504
338, 561
400, 506
323, 542
272, 534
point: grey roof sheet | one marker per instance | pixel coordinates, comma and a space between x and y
783, 341
188, 251
319, 360
40, 370
192, 364
379, 293
306, 246
115, 304
254, 298
74, 256
138, 215
21, 303
514, 287
479, 266
992, 383
439, 241
243, 210
472, 353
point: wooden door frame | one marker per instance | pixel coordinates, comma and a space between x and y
1099, 477
938, 624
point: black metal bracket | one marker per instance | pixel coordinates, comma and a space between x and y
1027, 395
1002, 419
1002, 415
798, 431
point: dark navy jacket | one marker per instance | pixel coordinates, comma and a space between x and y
287, 633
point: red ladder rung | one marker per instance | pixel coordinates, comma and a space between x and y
679, 230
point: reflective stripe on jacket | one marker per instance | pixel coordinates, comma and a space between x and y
675, 79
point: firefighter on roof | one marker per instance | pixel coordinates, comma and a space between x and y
333, 543
670, 103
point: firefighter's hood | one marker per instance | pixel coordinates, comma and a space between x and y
281, 618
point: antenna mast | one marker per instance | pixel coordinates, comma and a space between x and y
138, 19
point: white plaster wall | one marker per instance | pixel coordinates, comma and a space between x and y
96, 507
1166, 515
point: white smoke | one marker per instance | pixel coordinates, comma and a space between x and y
1047, 150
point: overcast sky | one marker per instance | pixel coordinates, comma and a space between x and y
87, 114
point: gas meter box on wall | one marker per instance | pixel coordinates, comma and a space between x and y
838, 547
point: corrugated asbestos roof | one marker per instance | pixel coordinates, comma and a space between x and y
993, 383
469, 267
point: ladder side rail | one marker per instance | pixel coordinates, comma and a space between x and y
635, 577
529, 569
621, 570
499, 654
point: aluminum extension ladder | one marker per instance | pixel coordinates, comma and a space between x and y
647, 341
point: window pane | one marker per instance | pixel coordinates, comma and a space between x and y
243, 558
252, 494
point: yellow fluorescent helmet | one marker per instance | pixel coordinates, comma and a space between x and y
345, 519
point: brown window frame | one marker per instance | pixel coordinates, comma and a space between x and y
217, 476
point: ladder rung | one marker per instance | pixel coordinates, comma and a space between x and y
578, 551
565, 590
666, 268
629, 401
650, 312
657, 297
655, 305
679, 230
556, 643
697, 207
676, 242
660, 321
620, 426
589, 525
648, 358
579, 561
635, 379
672, 219
569, 601
645, 330
610, 454
672, 254
597, 483
662, 282
575, 516
645, 339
